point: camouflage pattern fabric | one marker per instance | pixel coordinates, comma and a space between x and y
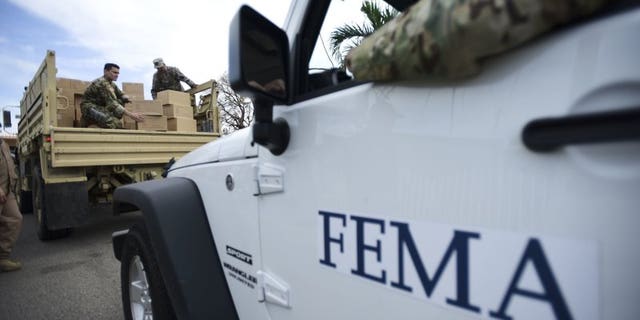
102, 104
169, 80
446, 39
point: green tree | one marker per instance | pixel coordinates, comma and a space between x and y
348, 36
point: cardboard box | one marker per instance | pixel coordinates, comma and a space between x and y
134, 90
74, 85
63, 83
146, 106
79, 85
181, 124
178, 111
66, 116
134, 97
68, 109
77, 102
128, 124
152, 122
174, 97
69, 97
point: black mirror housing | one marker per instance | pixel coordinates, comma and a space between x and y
258, 57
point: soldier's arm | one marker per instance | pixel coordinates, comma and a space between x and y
448, 39
154, 86
184, 78
122, 98
112, 103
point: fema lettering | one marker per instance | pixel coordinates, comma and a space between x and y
335, 238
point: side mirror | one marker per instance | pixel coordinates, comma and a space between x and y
258, 62
258, 57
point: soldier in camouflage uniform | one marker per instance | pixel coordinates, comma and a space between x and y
168, 78
448, 39
102, 104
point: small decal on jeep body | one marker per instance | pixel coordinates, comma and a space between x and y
241, 275
242, 256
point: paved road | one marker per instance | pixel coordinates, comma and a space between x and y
73, 278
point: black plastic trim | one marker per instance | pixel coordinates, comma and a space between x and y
549, 134
304, 44
328, 90
184, 246
117, 240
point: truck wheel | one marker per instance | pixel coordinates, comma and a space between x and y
25, 202
144, 295
40, 211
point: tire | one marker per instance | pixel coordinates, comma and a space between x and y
25, 202
144, 295
24, 198
40, 211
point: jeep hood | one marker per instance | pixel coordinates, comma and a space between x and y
227, 148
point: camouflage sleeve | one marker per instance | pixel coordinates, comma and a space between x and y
113, 105
180, 76
119, 94
154, 86
444, 39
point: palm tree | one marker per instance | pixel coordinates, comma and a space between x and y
347, 37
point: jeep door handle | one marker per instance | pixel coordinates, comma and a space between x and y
549, 134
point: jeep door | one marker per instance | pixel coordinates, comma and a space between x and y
416, 199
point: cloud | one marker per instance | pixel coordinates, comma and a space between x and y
13, 66
191, 34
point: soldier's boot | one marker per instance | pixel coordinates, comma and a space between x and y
7, 265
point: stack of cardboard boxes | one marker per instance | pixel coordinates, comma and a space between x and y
69, 97
154, 120
171, 111
178, 110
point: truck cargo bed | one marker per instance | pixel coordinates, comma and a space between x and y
71, 147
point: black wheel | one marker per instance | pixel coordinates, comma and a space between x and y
25, 202
24, 198
40, 211
144, 295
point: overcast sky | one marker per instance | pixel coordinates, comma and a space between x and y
189, 34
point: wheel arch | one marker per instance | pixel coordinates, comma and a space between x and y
178, 227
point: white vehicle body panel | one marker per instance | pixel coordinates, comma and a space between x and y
233, 216
440, 159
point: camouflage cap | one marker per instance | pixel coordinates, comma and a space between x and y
158, 63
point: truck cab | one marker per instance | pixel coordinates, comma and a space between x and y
511, 194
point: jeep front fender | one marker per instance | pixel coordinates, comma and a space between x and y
184, 246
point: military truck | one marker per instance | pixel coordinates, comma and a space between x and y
65, 169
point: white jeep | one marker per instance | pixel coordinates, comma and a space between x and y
513, 194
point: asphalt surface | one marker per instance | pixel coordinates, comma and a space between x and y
72, 278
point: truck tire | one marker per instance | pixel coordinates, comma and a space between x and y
144, 295
25, 202
40, 211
